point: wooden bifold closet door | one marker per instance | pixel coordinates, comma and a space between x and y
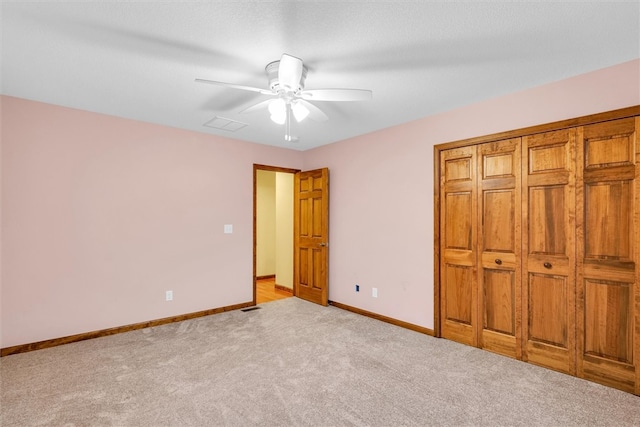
608, 198
499, 238
459, 208
548, 250
539, 236
481, 246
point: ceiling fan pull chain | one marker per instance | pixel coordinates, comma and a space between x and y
287, 124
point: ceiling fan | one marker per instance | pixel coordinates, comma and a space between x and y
286, 85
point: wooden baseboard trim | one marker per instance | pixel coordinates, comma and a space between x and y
386, 319
283, 288
268, 276
23, 348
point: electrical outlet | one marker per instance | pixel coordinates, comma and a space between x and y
168, 296
357, 288
374, 292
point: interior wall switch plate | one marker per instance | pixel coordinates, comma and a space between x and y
228, 228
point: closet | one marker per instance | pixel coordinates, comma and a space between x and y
537, 241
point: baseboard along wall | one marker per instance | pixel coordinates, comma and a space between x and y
382, 318
283, 288
23, 348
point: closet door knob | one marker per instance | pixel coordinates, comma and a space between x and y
547, 265
498, 261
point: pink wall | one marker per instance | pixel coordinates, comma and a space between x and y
102, 215
381, 211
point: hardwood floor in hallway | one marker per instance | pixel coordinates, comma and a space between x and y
266, 291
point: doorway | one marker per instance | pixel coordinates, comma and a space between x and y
310, 238
273, 233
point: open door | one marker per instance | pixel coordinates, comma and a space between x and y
311, 236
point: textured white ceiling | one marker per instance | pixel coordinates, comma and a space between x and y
139, 59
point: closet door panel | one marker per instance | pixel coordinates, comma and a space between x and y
499, 236
546, 226
458, 245
459, 299
498, 218
607, 278
458, 233
548, 300
609, 326
608, 220
548, 249
499, 301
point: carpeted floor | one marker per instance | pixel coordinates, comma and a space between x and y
293, 363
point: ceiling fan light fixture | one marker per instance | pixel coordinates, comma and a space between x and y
278, 110
300, 112
278, 118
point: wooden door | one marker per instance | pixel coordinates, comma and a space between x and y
311, 236
548, 249
607, 286
458, 233
499, 239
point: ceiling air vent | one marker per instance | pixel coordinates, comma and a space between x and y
225, 124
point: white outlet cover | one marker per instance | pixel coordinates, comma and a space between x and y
169, 295
374, 292
228, 228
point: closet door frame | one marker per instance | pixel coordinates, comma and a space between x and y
437, 149
629, 112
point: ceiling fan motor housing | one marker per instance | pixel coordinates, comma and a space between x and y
272, 74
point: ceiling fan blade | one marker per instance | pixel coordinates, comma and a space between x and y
315, 113
262, 105
337, 95
290, 72
234, 86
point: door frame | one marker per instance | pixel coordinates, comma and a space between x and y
256, 168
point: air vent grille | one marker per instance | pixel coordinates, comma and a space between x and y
223, 123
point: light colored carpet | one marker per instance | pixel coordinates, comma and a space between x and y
293, 363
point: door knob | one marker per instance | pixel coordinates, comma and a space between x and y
547, 265
323, 244
498, 261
